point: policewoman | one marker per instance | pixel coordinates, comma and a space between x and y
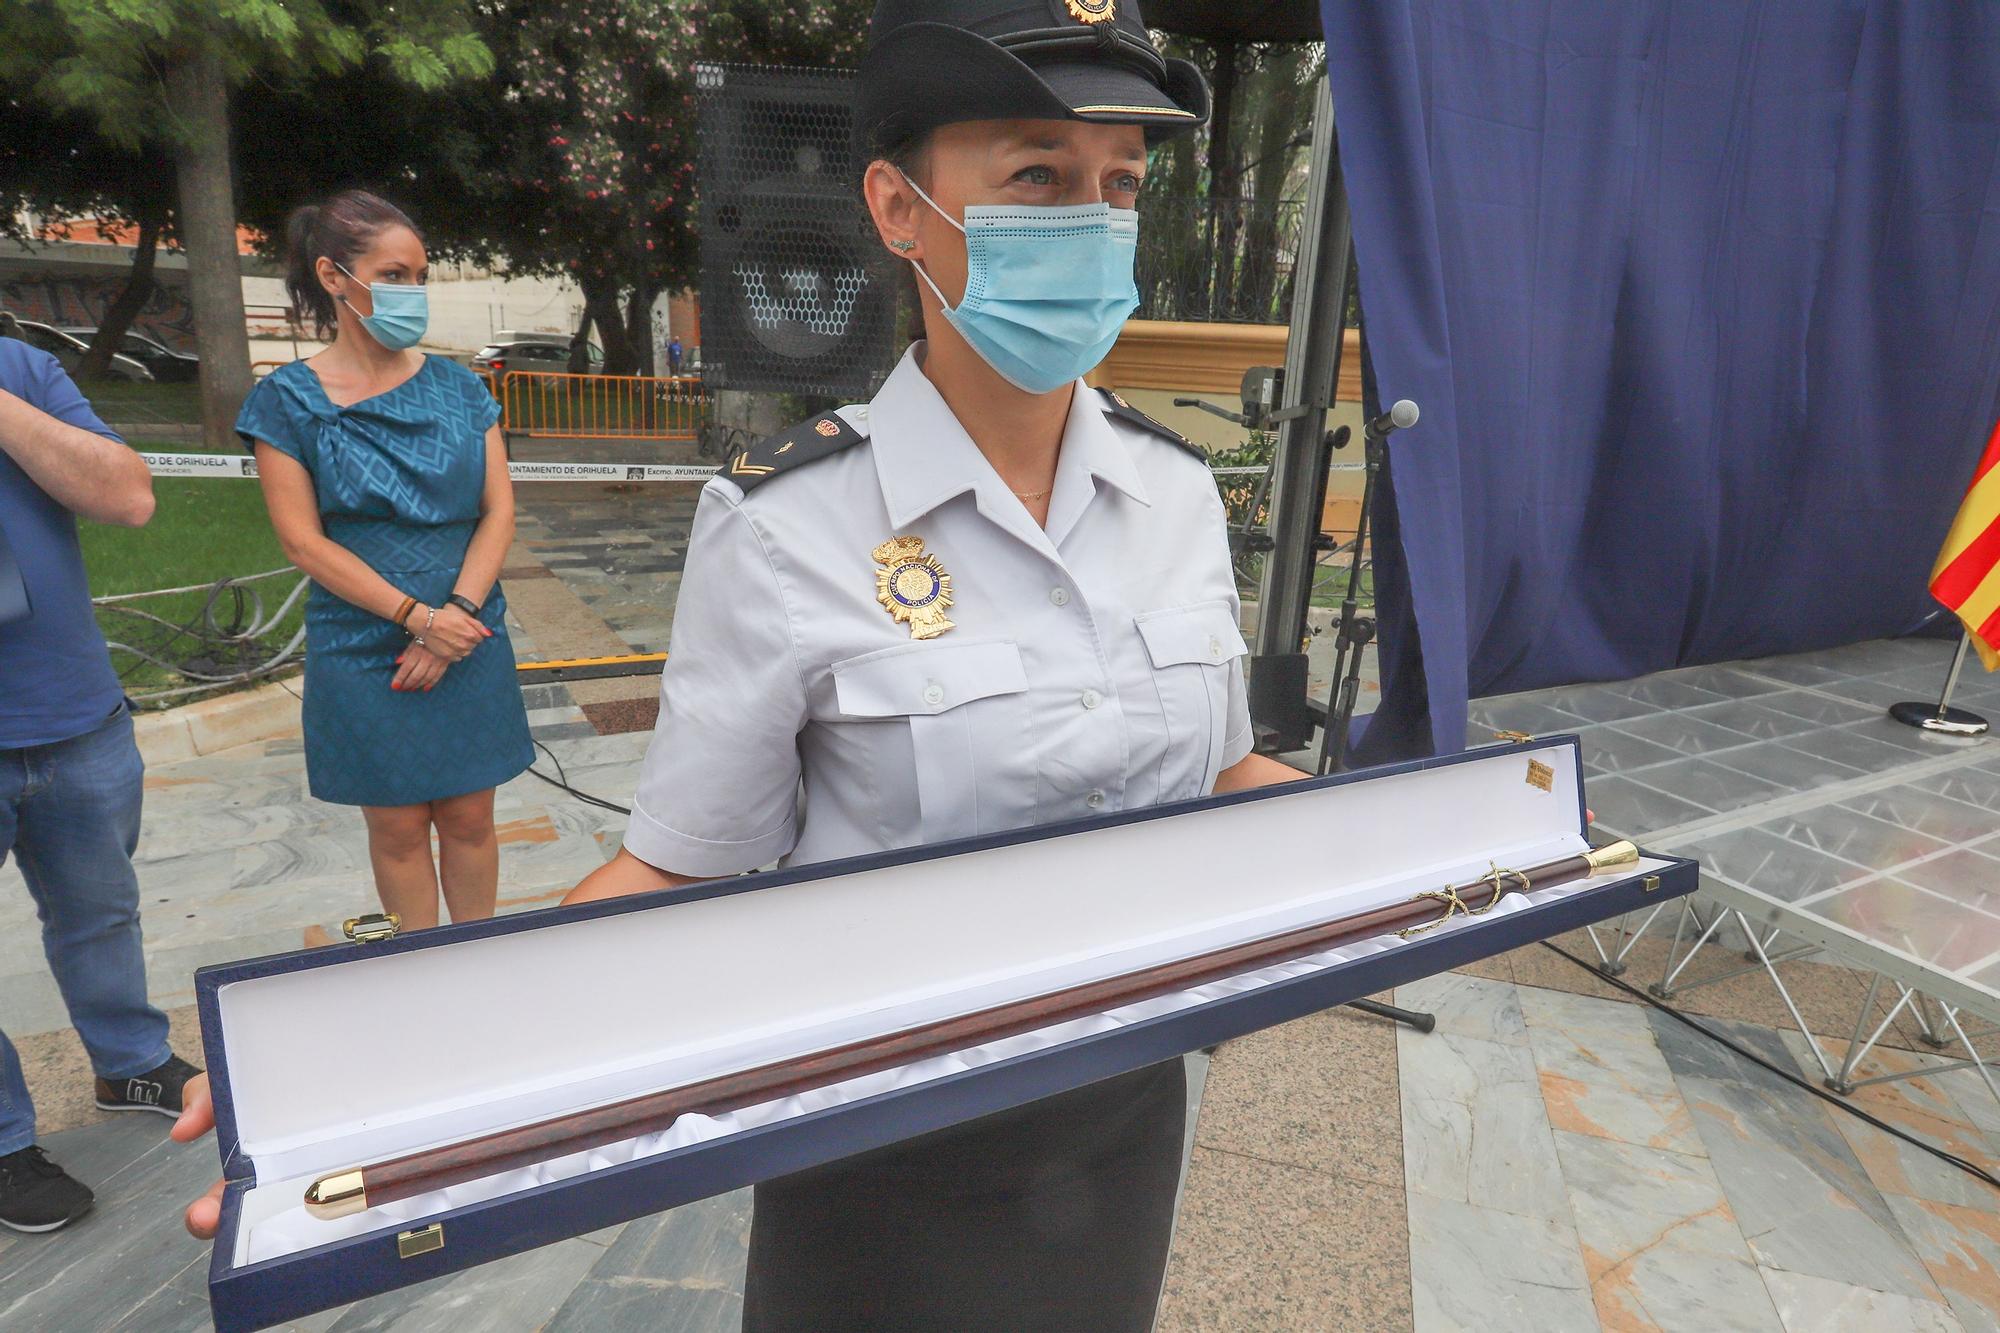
991, 597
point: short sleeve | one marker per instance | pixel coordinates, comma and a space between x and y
54, 392
718, 791
270, 415
1238, 739
485, 407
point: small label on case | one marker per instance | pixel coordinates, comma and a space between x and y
1541, 775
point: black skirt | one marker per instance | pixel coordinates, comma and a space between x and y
1056, 1215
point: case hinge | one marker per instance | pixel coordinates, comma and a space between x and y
410, 1244
1516, 737
372, 928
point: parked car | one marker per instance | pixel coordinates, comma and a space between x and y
167, 365
546, 352
69, 351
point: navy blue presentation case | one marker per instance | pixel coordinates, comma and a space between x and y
251, 1295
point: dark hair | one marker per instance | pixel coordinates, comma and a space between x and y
339, 229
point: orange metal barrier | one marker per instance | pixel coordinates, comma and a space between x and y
627, 407
259, 369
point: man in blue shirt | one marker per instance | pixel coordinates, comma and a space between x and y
70, 773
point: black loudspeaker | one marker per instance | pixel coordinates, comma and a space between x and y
796, 293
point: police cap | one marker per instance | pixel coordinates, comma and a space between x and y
939, 62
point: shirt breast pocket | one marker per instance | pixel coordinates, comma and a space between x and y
964, 706
1191, 648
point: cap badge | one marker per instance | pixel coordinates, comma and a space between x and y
1093, 11
827, 427
912, 587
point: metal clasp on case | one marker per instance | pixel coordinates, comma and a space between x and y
1650, 883
372, 928
410, 1244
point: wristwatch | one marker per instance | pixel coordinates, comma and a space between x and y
464, 603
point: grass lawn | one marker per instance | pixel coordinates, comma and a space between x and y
128, 403
202, 530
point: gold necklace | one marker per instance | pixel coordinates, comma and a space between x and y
1034, 495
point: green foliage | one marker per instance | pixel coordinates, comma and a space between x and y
102, 58
1237, 492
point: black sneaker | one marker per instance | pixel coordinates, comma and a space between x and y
158, 1090
38, 1195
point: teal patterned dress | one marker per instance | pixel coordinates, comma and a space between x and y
398, 478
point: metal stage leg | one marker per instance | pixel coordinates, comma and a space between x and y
1409, 1018
1825, 1065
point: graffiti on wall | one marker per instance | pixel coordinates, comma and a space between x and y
78, 301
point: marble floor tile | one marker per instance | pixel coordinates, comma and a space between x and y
1634, 809
679, 1270
1468, 1005
1475, 1128
1475, 1268
1920, 1107
1818, 1305
1267, 1248
1602, 1073
1660, 1245
1757, 859
1841, 831
1961, 1248
1799, 1195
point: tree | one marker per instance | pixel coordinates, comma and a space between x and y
58, 167
160, 71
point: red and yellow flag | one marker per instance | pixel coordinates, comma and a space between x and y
1967, 575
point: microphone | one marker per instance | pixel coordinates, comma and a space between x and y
1402, 416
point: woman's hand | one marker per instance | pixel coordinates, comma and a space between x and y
452, 634
418, 668
196, 1119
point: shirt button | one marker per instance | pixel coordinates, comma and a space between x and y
1091, 698
1215, 647
933, 694
1060, 596
1094, 800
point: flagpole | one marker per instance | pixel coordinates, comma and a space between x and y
1944, 718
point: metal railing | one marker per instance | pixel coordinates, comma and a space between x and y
615, 407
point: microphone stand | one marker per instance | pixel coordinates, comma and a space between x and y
1356, 631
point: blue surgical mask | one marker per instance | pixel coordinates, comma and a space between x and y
402, 312
1046, 289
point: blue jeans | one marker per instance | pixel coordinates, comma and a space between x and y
69, 812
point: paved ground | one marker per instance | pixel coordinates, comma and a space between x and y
1555, 1156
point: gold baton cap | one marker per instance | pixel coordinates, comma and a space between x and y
334, 1196
1612, 856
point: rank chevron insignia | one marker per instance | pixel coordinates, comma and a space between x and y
808, 442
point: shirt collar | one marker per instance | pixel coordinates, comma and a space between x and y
923, 456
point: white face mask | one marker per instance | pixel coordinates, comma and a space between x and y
1046, 289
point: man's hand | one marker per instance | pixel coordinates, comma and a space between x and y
197, 1117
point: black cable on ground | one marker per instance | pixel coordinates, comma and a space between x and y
562, 780
1970, 1168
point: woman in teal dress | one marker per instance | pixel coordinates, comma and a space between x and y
386, 478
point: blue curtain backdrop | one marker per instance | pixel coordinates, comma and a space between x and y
1701, 300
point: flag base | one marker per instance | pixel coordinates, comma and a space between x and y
1944, 720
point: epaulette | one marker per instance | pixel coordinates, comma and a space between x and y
1124, 411
807, 442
